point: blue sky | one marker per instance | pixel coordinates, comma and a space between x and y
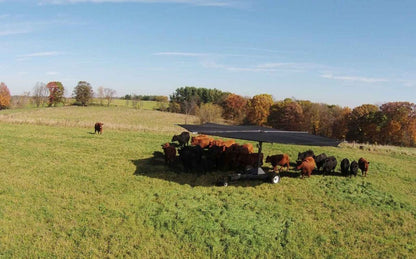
337, 52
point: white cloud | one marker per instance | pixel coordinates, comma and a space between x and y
181, 54
266, 67
41, 54
355, 78
219, 3
12, 32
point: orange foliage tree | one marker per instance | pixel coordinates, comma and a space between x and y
4, 96
400, 126
286, 115
234, 107
258, 108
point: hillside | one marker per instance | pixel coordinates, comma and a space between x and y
67, 192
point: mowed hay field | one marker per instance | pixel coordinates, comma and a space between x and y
66, 192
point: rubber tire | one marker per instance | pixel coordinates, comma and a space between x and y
275, 178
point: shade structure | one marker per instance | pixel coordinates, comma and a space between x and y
261, 134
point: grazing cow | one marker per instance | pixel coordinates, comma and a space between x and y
307, 166
202, 140
182, 138
329, 165
353, 168
363, 165
320, 160
345, 166
98, 127
275, 160
170, 153
302, 156
191, 157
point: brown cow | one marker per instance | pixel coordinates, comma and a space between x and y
247, 148
201, 140
275, 160
216, 142
228, 143
363, 165
246, 160
98, 127
170, 153
307, 166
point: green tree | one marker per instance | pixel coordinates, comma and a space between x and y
209, 112
83, 93
56, 93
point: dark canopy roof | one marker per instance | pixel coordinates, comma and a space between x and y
261, 134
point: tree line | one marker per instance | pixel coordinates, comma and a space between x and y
52, 94
392, 123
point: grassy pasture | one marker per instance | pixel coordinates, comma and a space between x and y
66, 192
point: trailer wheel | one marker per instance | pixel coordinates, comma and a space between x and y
223, 181
274, 178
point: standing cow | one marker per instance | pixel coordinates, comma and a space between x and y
363, 165
307, 166
345, 166
182, 138
170, 153
303, 155
281, 159
353, 168
329, 165
320, 160
98, 127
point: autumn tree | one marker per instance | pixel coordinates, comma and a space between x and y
340, 125
235, 108
56, 93
286, 115
40, 94
83, 93
258, 109
4, 96
399, 126
361, 122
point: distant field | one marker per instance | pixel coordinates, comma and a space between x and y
66, 192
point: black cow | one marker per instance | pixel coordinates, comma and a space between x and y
353, 168
345, 166
191, 157
329, 165
319, 160
302, 156
182, 138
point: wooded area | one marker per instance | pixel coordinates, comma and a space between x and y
393, 123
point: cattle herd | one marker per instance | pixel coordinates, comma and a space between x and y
207, 154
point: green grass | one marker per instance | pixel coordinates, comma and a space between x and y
68, 193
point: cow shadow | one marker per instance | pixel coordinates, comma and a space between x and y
155, 167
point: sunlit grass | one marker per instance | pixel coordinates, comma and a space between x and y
68, 193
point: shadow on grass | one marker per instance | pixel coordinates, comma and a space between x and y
154, 167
